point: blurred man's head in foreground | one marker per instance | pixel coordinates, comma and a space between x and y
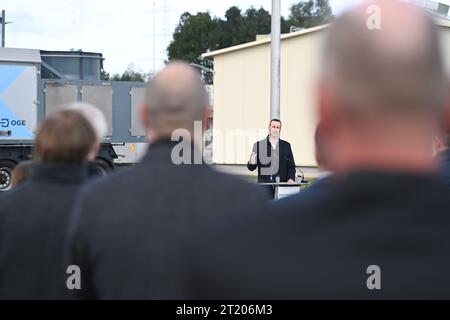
175, 98
383, 90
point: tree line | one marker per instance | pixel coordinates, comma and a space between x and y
198, 33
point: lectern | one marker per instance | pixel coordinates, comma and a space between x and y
284, 189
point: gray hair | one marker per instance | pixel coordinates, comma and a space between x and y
93, 115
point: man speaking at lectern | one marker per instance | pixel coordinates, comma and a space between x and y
273, 157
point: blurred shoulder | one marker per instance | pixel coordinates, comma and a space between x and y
109, 184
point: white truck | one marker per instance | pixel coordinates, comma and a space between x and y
35, 83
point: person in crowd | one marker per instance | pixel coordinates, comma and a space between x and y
34, 217
128, 246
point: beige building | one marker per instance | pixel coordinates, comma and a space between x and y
242, 94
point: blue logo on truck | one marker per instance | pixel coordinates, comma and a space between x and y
5, 123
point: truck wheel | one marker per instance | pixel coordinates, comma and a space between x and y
102, 167
6, 168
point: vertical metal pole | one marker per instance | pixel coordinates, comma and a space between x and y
275, 61
81, 64
154, 35
3, 28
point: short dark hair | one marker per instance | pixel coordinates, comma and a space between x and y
64, 137
276, 120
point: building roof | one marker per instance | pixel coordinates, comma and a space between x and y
20, 55
439, 21
262, 41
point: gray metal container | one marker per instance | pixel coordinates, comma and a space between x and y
74, 65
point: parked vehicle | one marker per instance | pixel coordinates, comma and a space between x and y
36, 83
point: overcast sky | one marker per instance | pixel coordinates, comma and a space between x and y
121, 30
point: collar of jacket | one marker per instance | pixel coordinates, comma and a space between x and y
162, 151
64, 173
375, 179
268, 140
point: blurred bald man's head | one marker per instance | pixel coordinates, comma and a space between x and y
175, 98
382, 84
396, 69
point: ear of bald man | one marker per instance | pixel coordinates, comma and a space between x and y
327, 111
447, 113
144, 117
205, 118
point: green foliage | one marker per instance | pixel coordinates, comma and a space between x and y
307, 14
129, 75
104, 75
200, 33
194, 35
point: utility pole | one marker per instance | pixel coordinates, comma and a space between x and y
275, 61
3, 22
154, 35
158, 12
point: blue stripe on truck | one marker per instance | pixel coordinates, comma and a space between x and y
8, 119
9, 74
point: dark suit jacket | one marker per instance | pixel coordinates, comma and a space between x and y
323, 248
286, 168
128, 229
445, 166
33, 225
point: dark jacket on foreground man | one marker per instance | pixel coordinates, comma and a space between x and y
322, 248
444, 157
128, 229
33, 225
